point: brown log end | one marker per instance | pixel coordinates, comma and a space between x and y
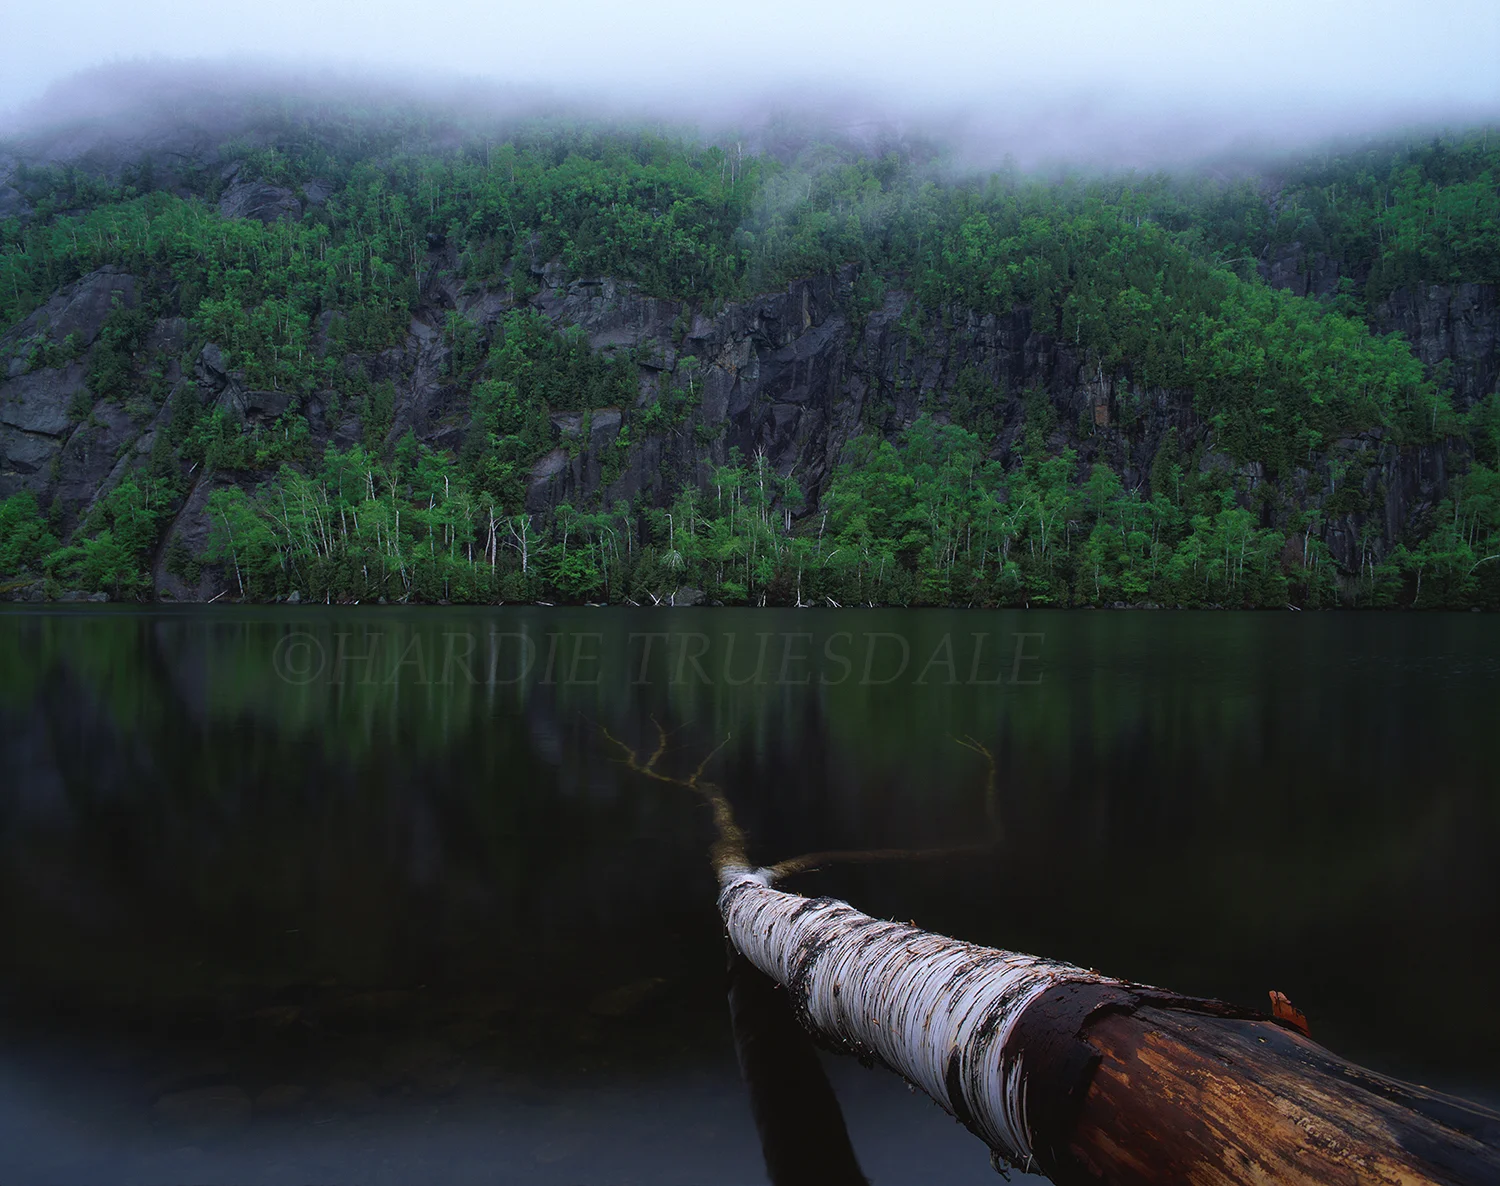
1184, 1096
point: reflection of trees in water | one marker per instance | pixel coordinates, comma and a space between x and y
172, 800
158, 848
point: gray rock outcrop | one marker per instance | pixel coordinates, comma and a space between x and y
254, 199
54, 441
1457, 324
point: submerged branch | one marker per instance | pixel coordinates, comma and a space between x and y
729, 854
865, 856
729, 847
991, 780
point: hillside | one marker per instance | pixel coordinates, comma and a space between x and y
356, 353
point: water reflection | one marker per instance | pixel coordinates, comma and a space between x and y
801, 1127
278, 892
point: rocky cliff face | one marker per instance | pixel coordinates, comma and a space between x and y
1456, 326
795, 376
1453, 324
1299, 271
51, 440
792, 375
1455, 330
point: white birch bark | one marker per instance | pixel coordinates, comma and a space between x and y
936, 1010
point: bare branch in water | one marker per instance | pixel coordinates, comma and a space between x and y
729, 849
816, 860
991, 789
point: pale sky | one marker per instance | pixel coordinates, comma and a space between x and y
1250, 68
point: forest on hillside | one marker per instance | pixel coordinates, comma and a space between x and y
1156, 282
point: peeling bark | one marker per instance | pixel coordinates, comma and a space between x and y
935, 1010
1090, 1079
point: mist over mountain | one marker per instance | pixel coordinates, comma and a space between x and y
283, 330
1071, 121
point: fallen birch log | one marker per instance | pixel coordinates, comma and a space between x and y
1089, 1079
1077, 1075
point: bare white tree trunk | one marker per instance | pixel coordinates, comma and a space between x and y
935, 1010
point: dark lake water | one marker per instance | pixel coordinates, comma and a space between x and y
296, 895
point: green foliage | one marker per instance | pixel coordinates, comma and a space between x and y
675, 402
974, 404
24, 537
1455, 566
463, 337
111, 550
357, 528
112, 360
930, 516
1147, 281
556, 370
377, 411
